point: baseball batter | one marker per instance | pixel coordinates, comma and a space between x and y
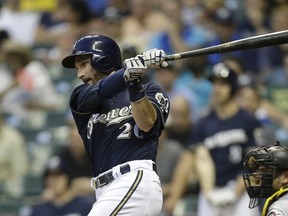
120, 121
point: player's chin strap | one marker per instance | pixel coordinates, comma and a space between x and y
273, 198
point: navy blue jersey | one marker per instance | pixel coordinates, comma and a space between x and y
227, 141
79, 206
109, 132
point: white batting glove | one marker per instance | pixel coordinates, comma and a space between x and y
155, 58
135, 68
222, 197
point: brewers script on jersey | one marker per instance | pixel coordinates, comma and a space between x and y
110, 133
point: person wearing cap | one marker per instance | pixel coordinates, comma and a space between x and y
57, 182
224, 25
27, 91
217, 147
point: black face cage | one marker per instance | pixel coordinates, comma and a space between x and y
261, 189
263, 165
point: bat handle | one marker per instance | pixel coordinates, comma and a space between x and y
172, 57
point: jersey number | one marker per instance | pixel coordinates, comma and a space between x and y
126, 133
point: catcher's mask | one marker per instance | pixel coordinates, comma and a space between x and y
263, 165
104, 51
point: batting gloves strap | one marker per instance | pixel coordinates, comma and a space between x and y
135, 68
155, 58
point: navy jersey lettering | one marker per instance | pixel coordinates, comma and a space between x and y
227, 141
108, 129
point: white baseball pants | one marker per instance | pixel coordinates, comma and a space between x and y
137, 192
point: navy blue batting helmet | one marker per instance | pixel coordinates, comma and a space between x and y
104, 51
222, 71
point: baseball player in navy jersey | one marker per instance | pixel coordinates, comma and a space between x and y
217, 147
120, 121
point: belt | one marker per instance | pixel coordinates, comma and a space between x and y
108, 177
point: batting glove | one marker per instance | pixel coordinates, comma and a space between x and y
155, 58
135, 68
222, 197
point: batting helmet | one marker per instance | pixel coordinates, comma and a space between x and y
222, 71
104, 51
263, 165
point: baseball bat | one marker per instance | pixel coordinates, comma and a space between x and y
259, 41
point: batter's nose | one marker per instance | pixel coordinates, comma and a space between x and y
80, 74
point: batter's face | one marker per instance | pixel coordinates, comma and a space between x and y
85, 71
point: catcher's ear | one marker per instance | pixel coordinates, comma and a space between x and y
284, 177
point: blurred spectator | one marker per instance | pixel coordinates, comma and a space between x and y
169, 152
194, 78
272, 57
224, 25
276, 94
20, 25
117, 8
97, 8
76, 162
216, 152
71, 16
13, 160
58, 181
273, 119
255, 19
179, 129
166, 79
177, 36
180, 122
141, 24
128, 51
249, 98
30, 90
213, 5
193, 12
278, 78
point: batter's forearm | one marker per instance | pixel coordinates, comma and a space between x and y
144, 114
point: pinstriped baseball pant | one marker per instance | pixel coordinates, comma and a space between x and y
137, 192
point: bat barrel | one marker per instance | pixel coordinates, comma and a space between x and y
260, 41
